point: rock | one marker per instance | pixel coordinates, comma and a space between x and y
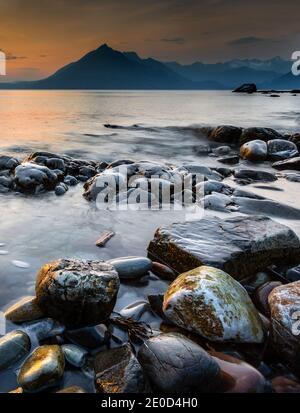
282, 384
263, 134
131, 267
274, 95
222, 150
175, 364
77, 292
195, 169
89, 337
55, 163
226, 134
88, 171
261, 294
109, 184
25, 309
226, 172
254, 151
61, 189
19, 390
72, 389
135, 310
163, 272
44, 329
70, 180
217, 202
42, 369
74, 355
230, 160
285, 311
33, 178
254, 175
267, 207
156, 303
8, 163
208, 187
292, 177
13, 347
296, 140
118, 371
236, 376
120, 162
209, 302
280, 149
289, 164
293, 274
241, 246
246, 88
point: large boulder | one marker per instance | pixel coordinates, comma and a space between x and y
226, 134
263, 134
209, 302
77, 292
175, 364
246, 88
240, 246
254, 151
289, 164
33, 178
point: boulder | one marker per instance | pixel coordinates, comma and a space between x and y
241, 246
284, 303
89, 337
13, 347
209, 302
226, 134
254, 175
175, 364
77, 292
246, 88
118, 371
289, 164
296, 140
25, 309
280, 149
42, 369
263, 134
254, 151
33, 178
8, 163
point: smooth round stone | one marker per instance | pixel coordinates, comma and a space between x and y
261, 294
70, 180
61, 189
77, 292
293, 274
131, 267
42, 369
254, 151
222, 150
75, 355
13, 347
72, 389
24, 310
135, 310
89, 337
209, 302
236, 376
163, 272
175, 364
280, 149
44, 329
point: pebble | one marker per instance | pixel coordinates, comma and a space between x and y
75, 355
13, 347
163, 272
25, 309
131, 267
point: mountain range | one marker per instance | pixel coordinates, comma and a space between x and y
106, 68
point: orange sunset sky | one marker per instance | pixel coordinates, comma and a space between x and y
40, 36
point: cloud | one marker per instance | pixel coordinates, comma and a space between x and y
250, 40
10, 56
178, 40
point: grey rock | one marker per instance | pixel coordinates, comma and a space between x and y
70, 180
55, 163
254, 175
13, 347
131, 267
241, 246
280, 149
89, 337
34, 178
264, 134
254, 151
226, 134
229, 160
293, 274
289, 164
8, 163
44, 329
25, 309
61, 189
74, 355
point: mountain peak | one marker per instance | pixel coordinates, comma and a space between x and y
104, 47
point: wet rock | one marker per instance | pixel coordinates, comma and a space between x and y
6, 183
131, 268
241, 246
44, 329
289, 164
280, 149
42, 369
8, 163
33, 178
282, 384
263, 134
89, 337
285, 310
226, 134
208, 187
266, 207
55, 163
163, 272
72, 389
88, 171
226, 172
61, 189
261, 294
230, 160
77, 292
104, 182
209, 302
292, 177
254, 175
24, 310
246, 88
293, 274
217, 202
118, 371
236, 376
156, 302
13, 347
70, 180
135, 310
206, 172
222, 150
175, 364
296, 140
120, 162
74, 355
254, 151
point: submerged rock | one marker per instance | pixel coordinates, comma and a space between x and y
289, 164
254, 175
33, 178
74, 355
26, 309
246, 88
175, 364
163, 272
89, 337
131, 267
209, 302
241, 246
13, 347
61, 189
263, 134
77, 292
118, 371
44, 329
254, 151
42, 369
280, 149
226, 134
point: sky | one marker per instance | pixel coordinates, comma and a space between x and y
40, 36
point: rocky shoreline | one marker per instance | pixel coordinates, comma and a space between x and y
229, 318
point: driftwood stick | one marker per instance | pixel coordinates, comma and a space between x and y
104, 238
